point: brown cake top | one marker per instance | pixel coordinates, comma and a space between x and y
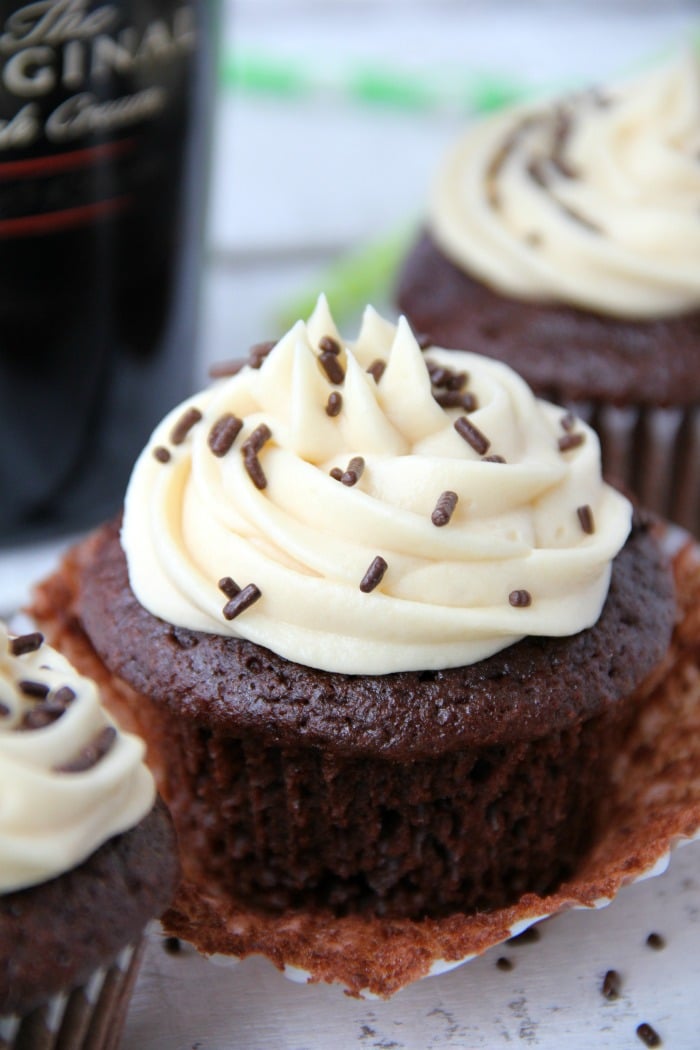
527, 690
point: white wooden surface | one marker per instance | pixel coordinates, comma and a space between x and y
294, 186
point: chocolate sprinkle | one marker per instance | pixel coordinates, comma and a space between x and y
494, 459
444, 508
241, 601
456, 399
4, 710
63, 696
37, 689
336, 473
42, 715
223, 434
585, 517
335, 403
570, 441
376, 369
184, 425
327, 344
250, 450
90, 755
374, 575
568, 421
520, 599
441, 376
224, 369
503, 963
472, 435
332, 367
259, 351
656, 941
612, 983
229, 587
26, 643
161, 454
354, 471
648, 1035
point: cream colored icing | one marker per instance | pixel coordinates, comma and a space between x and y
50, 820
592, 201
307, 540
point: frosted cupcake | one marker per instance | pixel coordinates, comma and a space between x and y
381, 623
86, 857
563, 238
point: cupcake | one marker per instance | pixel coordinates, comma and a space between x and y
381, 623
86, 857
563, 238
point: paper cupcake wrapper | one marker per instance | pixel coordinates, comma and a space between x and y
654, 804
89, 1017
652, 452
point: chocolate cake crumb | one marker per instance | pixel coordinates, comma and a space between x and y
171, 945
259, 351
328, 345
354, 471
374, 575
520, 599
241, 601
90, 755
444, 508
161, 454
223, 434
648, 1035
39, 690
229, 586
612, 983
184, 424
656, 941
570, 441
528, 936
504, 963
335, 403
332, 366
585, 517
472, 435
26, 643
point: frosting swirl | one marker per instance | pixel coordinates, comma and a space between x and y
341, 565
592, 201
69, 779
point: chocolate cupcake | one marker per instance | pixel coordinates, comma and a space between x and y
380, 622
563, 238
86, 858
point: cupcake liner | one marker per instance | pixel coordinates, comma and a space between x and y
652, 452
654, 804
89, 1017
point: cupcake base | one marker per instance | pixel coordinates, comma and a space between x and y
89, 1017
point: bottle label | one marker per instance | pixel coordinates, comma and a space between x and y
82, 83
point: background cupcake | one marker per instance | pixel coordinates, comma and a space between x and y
85, 858
327, 615
564, 238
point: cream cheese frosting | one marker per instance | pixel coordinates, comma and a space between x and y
593, 200
69, 779
359, 516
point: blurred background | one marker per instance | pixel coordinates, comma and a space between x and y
332, 116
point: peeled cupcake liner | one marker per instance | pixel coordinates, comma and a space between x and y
651, 451
654, 806
88, 1017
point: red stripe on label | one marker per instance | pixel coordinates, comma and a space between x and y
31, 225
73, 160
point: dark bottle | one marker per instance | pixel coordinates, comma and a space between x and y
103, 116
